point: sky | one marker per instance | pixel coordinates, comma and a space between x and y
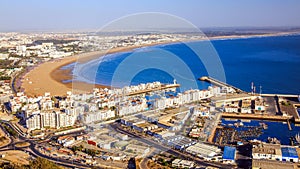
52, 15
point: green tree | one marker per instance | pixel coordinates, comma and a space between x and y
39, 163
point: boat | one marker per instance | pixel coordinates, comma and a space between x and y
297, 138
246, 121
273, 140
264, 125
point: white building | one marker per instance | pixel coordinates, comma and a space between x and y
34, 122
183, 163
203, 150
267, 152
98, 116
51, 119
3, 56
231, 109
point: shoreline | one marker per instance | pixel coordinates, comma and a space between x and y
48, 76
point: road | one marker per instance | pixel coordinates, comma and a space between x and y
32, 150
143, 163
161, 147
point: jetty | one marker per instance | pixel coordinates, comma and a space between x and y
220, 83
257, 117
280, 95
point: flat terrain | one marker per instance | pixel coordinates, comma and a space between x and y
16, 156
3, 139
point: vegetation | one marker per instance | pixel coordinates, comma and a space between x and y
112, 108
85, 150
10, 130
42, 163
2, 138
5, 77
283, 103
77, 148
4, 64
37, 163
91, 152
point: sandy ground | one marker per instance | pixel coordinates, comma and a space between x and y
5, 116
47, 77
22, 144
5, 140
16, 156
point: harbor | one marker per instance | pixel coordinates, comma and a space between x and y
248, 117
232, 131
220, 83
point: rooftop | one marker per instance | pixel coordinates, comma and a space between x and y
289, 152
267, 164
229, 153
267, 149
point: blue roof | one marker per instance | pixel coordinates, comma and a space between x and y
289, 152
229, 153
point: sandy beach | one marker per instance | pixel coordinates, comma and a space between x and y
48, 77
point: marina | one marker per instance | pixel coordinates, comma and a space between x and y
255, 130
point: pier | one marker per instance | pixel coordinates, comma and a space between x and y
280, 95
213, 133
289, 125
220, 83
257, 117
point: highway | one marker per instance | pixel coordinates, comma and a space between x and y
151, 143
32, 150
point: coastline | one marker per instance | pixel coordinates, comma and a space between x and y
48, 76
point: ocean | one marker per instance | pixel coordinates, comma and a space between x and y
270, 62
278, 130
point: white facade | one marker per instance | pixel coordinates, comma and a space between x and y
53, 119
34, 122
99, 116
203, 150
183, 163
231, 109
267, 152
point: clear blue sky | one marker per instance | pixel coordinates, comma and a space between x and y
18, 15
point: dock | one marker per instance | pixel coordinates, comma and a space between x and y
220, 83
289, 125
213, 133
280, 95
257, 117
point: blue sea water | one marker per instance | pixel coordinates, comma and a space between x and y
275, 129
270, 62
